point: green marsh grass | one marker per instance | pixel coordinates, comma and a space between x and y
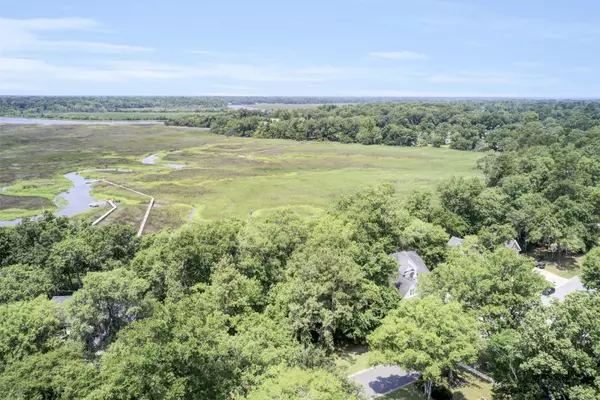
225, 176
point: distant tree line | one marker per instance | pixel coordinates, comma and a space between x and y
248, 100
41, 105
49, 106
466, 125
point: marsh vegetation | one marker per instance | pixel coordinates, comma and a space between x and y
223, 176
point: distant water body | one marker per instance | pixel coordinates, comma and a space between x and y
241, 107
38, 121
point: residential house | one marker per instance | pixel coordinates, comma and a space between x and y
455, 241
60, 299
410, 267
511, 244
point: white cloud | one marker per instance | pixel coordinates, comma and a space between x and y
49, 24
398, 55
417, 93
19, 36
513, 27
234, 87
582, 69
527, 64
90, 47
213, 53
492, 78
24, 69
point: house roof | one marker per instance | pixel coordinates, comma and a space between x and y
571, 286
60, 299
410, 260
513, 244
455, 241
404, 285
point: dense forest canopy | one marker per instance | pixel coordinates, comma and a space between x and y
465, 125
39, 105
48, 105
258, 308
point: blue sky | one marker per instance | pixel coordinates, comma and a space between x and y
526, 48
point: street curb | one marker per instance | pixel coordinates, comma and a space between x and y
360, 372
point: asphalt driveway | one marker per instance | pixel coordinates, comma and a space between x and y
382, 379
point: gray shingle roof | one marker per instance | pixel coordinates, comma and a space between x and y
60, 299
403, 285
513, 244
410, 259
455, 241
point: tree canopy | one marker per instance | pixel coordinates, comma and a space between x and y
426, 336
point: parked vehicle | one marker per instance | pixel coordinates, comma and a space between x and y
548, 291
541, 265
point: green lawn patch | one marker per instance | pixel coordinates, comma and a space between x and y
408, 392
566, 266
475, 389
353, 359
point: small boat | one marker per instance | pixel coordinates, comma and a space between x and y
96, 204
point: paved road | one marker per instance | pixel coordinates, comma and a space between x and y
382, 379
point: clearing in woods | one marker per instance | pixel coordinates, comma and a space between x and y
224, 176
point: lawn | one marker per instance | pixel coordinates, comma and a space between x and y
353, 359
475, 389
566, 266
224, 176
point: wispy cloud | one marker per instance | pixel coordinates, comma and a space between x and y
233, 87
90, 47
528, 64
19, 36
515, 27
212, 53
16, 69
398, 55
492, 78
221, 54
582, 69
49, 24
439, 94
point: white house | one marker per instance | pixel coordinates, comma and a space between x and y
511, 244
410, 267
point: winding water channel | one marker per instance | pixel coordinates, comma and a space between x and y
77, 199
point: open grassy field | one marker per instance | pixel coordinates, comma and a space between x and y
223, 177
